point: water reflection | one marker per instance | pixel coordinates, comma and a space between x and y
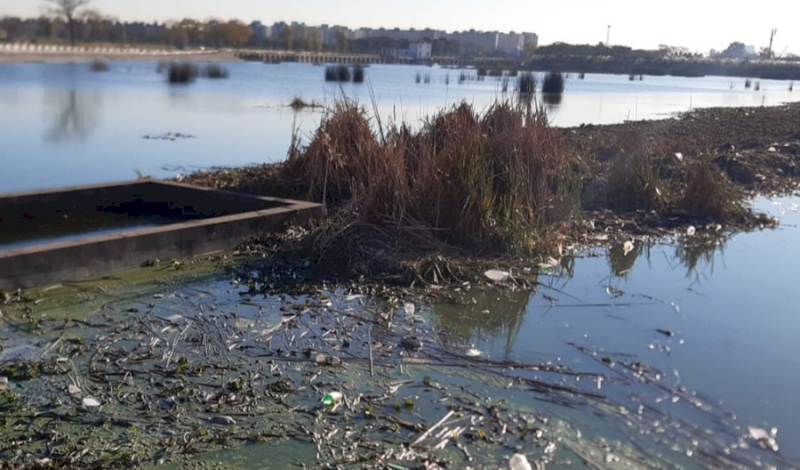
695, 254
552, 99
74, 115
482, 316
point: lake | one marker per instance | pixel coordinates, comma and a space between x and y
64, 124
714, 321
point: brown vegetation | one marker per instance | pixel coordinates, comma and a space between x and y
503, 181
494, 182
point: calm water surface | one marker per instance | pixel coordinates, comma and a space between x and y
63, 124
731, 305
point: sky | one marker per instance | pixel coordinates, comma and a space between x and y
698, 25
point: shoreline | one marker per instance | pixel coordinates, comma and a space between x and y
116, 55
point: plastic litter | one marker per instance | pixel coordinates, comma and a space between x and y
496, 275
332, 399
519, 462
325, 360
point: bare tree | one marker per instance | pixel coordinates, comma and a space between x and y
67, 10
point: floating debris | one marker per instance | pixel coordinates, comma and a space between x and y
411, 342
222, 420
519, 462
90, 402
764, 439
496, 275
169, 136
627, 247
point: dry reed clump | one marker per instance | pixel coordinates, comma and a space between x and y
633, 183
708, 193
489, 183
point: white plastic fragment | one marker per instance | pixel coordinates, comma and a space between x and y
627, 247
73, 389
679, 156
90, 402
473, 352
519, 462
409, 308
496, 275
764, 439
223, 420
691, 231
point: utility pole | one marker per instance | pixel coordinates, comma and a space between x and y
771, 38
608, 36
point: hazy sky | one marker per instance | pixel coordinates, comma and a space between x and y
697, 24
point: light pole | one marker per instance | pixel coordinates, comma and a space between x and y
608, 36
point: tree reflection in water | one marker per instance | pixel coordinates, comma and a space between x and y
694, 253
482, 316
74, 115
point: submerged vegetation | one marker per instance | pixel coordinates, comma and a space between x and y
182, 72
342, 73
298, 103
99, 66
215, 71
187, 72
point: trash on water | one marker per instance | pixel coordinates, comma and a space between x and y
519, 462
627, 247
325, 360
3, 383
765, 440
411, 342
690, 231
679, 156
473, 352
90, 402
332, 399
222, 420
496, 275
409, 308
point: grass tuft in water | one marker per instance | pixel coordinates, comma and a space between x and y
709, 193
182, 72
554, 82
99, 66
215, 71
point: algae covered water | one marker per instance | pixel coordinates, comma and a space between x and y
674, 354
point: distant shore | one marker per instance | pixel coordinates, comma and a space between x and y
49, 56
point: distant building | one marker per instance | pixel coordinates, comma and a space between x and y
510, 44
420, 50
261, 30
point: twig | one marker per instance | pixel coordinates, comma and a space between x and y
371, 363
432, 428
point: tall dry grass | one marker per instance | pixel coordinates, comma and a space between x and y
495, 181
709, 194
633, 182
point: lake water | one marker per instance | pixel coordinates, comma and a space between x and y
63, 124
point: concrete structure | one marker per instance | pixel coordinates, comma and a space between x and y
71, 233
420, 50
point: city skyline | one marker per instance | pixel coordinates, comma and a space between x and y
698, 26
